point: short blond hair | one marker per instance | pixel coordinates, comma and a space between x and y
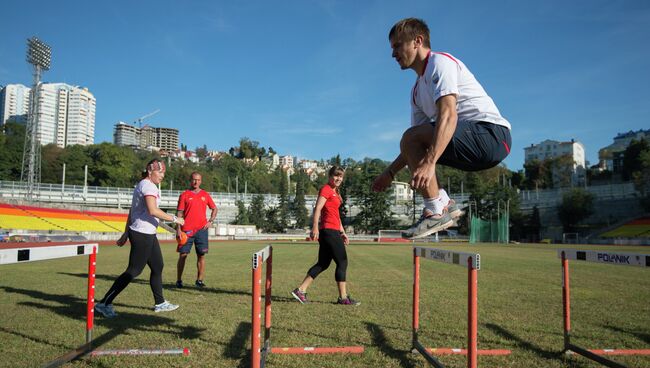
409, 28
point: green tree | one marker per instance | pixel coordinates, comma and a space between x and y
283, 210
248, 149
76, 158
202, 152
273, 223
577, 205
242, 214
636, 167
374, 208
111, 165
257, 212
298, 209
632, 161
562, 169
12, 142
51, 165
538, 174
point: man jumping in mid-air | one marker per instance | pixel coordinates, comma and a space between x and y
453, 123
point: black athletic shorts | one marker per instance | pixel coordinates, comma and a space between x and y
476, 146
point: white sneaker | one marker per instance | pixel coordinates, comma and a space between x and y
105, 310
428, 224
165, 307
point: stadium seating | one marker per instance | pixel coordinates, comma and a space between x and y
14, 217
638, 228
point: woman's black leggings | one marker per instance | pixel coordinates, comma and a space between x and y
145, 250
330, 248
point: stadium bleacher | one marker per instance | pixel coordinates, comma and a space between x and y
18, 217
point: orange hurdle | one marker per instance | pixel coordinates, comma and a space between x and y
22, 255
260, 351
617, 258
472, 262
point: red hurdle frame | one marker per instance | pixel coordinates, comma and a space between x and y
472, 261
618, 258
260, 351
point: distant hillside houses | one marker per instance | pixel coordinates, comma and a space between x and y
287, 163
611, 157
550, 149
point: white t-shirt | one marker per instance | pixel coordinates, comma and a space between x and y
446, 75
141, 220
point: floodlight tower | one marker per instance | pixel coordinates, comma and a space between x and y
39, 55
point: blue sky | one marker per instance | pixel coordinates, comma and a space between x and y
316, 79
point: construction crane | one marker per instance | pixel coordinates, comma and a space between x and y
140, 119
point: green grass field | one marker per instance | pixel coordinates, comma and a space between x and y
42, 308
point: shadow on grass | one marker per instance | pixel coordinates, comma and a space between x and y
75, 308
236, 347
207, 289
32, 338
379, 340
643, 336
166, 286
526, 345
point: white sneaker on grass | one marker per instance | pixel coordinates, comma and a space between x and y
165, 307
105, 310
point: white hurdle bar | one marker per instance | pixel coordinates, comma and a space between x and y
21, 255
606, 257
471, 261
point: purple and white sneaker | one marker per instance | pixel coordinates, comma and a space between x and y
348, 301
300, 296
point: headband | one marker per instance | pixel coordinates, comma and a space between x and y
156, 166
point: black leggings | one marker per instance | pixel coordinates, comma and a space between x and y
145, 250
330, 247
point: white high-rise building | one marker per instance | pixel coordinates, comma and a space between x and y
52, 114
81, 117
66, 114
14, 103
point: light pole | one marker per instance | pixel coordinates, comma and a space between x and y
39, 55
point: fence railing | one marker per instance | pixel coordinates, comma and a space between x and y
114, 197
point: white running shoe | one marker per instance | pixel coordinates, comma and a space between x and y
428, 224
165, 307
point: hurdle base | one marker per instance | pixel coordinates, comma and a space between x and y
418, 348
616, 351
319, 350
570, 349
458, 351
72, 355
184, 351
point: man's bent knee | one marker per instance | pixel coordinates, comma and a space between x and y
417, 135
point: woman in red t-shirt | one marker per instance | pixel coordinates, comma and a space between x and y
331, 239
